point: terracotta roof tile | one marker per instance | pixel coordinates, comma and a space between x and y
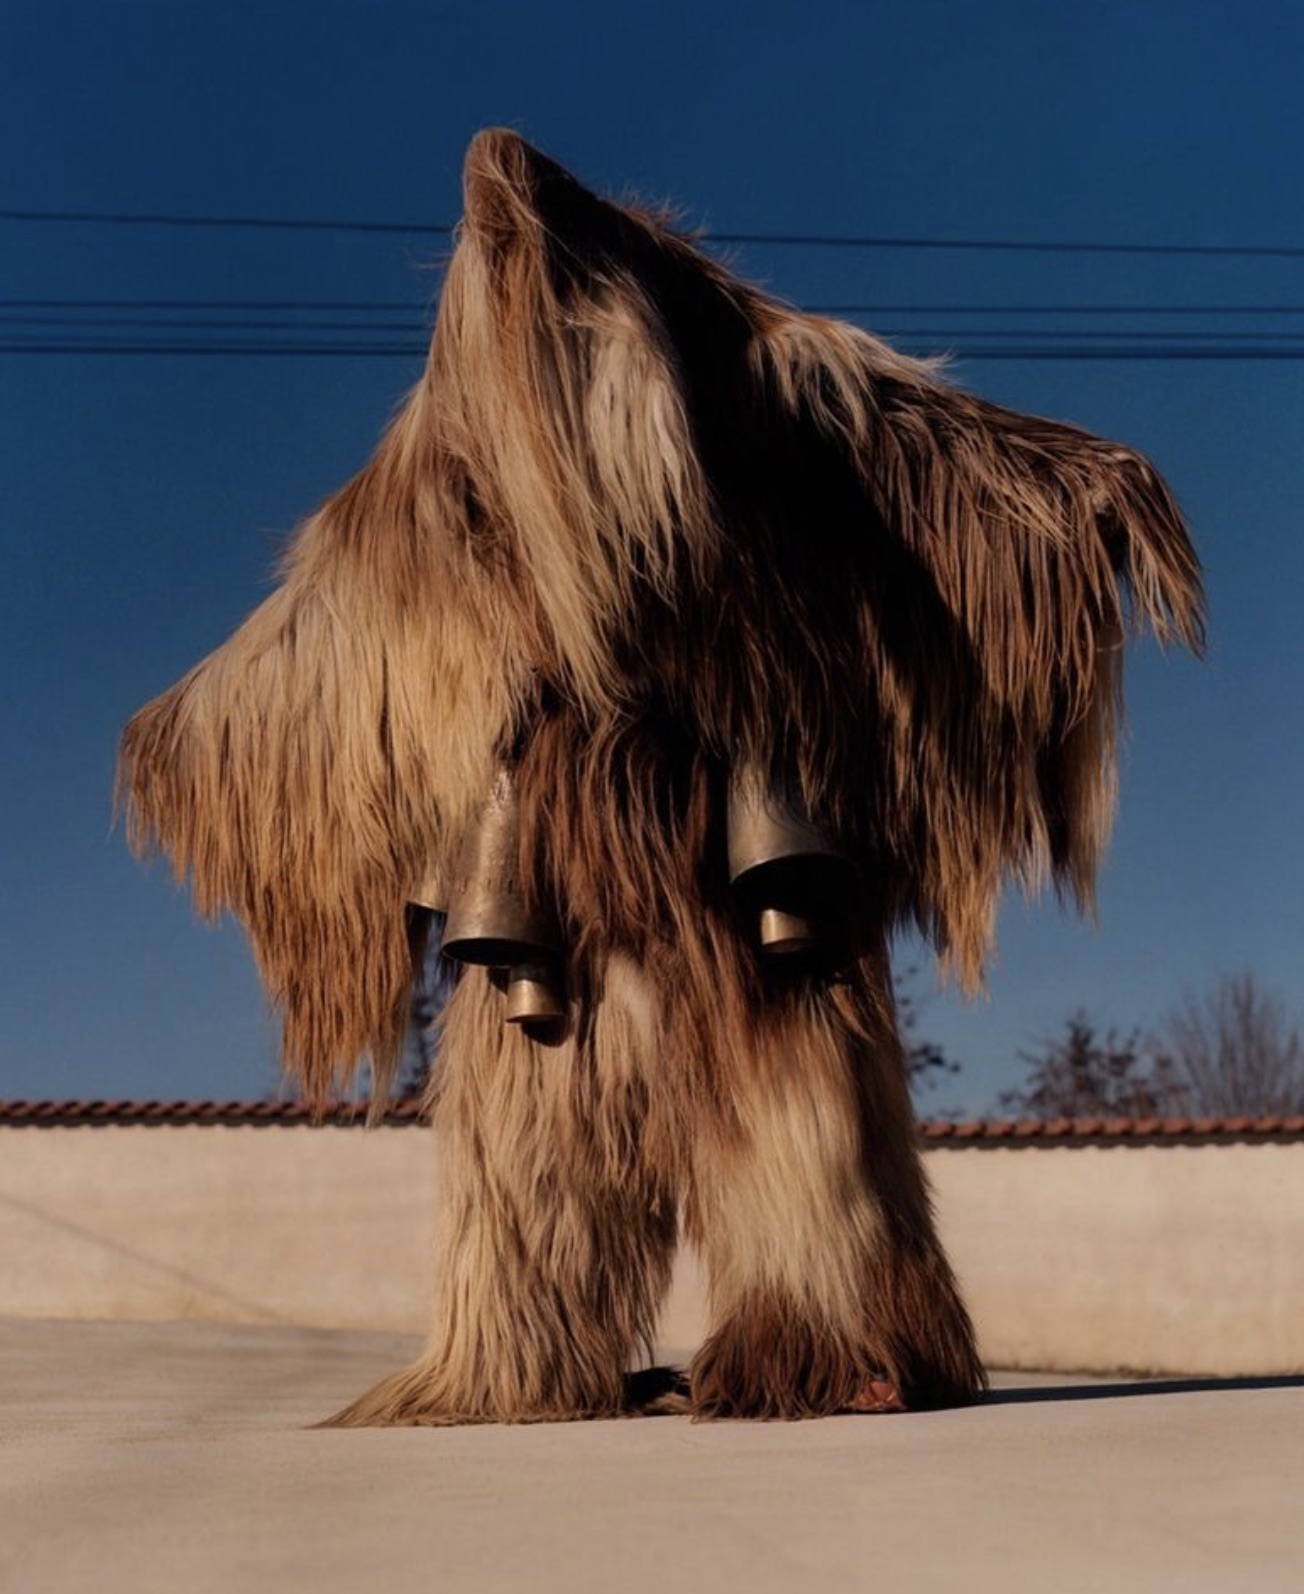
1079, 1131
234, 1113
976, 1131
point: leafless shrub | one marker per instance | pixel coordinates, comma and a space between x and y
1235, 1051
927, 1064
1086, 1075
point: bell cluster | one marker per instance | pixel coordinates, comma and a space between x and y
787, 876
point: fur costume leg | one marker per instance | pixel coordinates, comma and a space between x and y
555, 1238
812, 1212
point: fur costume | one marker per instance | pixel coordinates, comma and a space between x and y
640, 527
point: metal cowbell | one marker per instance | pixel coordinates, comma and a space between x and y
534, 993
785, 870
489, 921
431, 891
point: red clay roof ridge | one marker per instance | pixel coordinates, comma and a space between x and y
408, 1110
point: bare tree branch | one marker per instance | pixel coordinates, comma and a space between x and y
1083, 1075
1235, 1050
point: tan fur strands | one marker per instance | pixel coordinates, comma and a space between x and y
640, 524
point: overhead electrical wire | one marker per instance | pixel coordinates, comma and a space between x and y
97, 332
785, 239
114, 218
287, 328
366, 350
396, 305
414, 351
1015, 245
90, 328
90, 323
399, 306
94, 323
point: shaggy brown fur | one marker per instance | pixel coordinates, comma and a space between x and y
640, 524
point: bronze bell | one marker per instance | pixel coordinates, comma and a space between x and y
431, 891
784, 868
534, 993
488, 920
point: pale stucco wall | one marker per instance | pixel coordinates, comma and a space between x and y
1180, 1259
330, 1227
1165, 1258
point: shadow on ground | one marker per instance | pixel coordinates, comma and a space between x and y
1116, 1391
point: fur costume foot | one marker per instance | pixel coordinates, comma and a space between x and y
643, 535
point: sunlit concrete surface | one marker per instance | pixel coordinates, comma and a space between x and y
144, 1457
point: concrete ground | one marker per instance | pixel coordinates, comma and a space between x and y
177, 1457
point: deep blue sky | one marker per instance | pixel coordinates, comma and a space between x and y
142, 498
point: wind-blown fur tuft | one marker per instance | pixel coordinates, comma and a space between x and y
637, 524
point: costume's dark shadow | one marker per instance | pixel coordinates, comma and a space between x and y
664, 1391
1121, 1391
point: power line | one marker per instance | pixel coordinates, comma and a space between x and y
1066, 352
214, 304
1052, 309
783, 239
400, 306
366, 350
93, 323
113, 218
1075, 334
227, 324
1016, 245
1105, 352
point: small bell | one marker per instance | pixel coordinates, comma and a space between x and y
782, 932
534, 993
